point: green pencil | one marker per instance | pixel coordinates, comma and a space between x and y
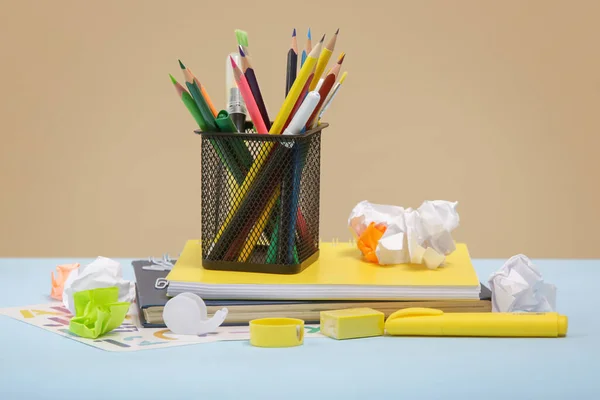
208, 118
188, 101
224, 154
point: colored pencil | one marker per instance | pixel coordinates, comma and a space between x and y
209, 119
251, 105
299, 101
188, 101
290, 100
307, 48
324, 90
331, 96
332, 69
292, 64
204, 93
254, 88
225, 156
323, 60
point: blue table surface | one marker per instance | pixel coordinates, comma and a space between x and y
36, 364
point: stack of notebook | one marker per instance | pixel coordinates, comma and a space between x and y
339, 279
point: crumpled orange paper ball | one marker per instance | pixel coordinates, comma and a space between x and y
58, 282
368, 240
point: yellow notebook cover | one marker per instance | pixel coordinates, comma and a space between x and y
338, 264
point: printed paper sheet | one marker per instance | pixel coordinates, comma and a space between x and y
130, 336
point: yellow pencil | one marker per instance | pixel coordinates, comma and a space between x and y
288, 104
323, 60
258, 228
306, 70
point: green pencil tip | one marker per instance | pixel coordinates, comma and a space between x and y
181, 64
173, 79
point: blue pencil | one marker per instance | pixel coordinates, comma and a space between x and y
307, 49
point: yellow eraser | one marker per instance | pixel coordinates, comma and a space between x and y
352, 323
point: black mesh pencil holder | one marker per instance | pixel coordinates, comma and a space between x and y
260, 201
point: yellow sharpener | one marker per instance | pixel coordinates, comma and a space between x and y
352, 323
276, 332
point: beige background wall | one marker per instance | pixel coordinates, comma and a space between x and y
490, 103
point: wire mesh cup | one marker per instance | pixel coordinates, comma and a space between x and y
260, 201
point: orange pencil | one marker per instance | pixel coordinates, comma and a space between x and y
204, 93
325, 88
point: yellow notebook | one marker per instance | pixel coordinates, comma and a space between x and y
340, 273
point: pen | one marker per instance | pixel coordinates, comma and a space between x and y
304, 112
433, 322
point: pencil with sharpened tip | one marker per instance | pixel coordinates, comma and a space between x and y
290, 100
307, 49
330, 98
323, 60
207, 115
324, 90
249, 99
292, 64
250, 75
223, 154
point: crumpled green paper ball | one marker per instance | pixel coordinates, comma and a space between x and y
97, 311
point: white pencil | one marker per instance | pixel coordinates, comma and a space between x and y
304, 112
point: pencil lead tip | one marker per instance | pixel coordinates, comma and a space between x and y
242, 51
294, 33
233, 64
322, 39
181, 64
173, 80
341, 59
338, 31
309, 35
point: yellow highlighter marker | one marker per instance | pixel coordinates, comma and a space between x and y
323, 60
433, 322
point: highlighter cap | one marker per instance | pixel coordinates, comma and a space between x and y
233, 97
